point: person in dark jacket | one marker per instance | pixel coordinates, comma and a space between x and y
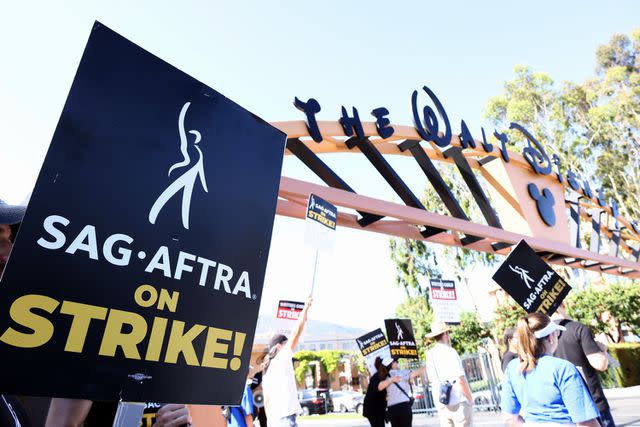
375, 401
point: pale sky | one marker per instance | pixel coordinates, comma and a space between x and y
263, 54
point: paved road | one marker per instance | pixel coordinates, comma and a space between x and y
625, 404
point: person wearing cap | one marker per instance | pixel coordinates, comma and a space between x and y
12, 412
278, 378
546, 390
444, 367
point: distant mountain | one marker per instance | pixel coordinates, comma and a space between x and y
315, 330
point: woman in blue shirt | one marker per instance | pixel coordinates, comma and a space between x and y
544, 389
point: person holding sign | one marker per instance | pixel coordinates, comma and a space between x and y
545, 389
278, 380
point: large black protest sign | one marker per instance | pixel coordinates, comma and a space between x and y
531, 281
373, 344
139, 267
401, 338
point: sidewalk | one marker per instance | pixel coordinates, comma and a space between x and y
625, 405
624, 402
623, 393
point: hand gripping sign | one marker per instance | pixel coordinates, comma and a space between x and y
530, 281
138, 271
286, 316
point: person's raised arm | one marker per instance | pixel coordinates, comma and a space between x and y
299, 328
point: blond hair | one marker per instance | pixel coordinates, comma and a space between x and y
530, 348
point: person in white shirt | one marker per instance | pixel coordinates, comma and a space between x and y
278, 380
443, 364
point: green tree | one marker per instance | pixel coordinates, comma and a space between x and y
413, 260
606, 309
532, 100
328, 359
467, 336
593, 127
418, 311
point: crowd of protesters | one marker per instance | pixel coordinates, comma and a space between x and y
550, 378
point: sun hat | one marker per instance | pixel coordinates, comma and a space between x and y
437, 328
11, 214
549, 329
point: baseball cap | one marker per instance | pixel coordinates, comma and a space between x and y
387, 360
549, 329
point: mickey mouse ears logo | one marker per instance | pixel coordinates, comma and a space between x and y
544, 203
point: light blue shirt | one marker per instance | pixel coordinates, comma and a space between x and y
394, 394
238, 413
553, 392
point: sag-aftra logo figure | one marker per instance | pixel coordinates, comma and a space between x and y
524, 275
400, 332
187, 180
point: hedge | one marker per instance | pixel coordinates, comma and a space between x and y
628, 354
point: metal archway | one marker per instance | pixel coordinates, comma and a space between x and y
511, 212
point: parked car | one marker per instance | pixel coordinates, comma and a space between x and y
315, 401
346, 401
